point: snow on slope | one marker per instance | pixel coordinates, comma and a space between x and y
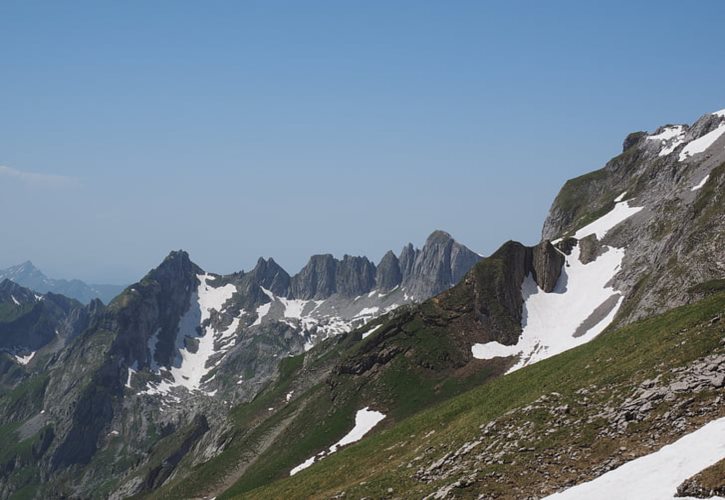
701, 183
670, 138
579, 308
190, 368
656, 476
365, 420
601, 226
551, 321
701, 144
24, 360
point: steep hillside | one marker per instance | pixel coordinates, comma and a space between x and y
545, 427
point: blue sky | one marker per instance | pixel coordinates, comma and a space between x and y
240, 129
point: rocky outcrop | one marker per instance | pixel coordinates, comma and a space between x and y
546, 264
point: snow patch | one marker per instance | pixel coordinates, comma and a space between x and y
566, 317
24, 360
371, 331
701, 183
657, 475
720, 113
131, 371
672, 135
261, 313
604, 224
620, 197
699, 145
365, 420
15, 300
367, 311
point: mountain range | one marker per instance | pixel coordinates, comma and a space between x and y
551, 369
29, 276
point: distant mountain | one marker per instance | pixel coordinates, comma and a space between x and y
182, 336
27, 275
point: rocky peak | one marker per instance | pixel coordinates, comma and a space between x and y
316, 280
407, 260
324, 275
388, 274
439, 265
176, 267
354, 276
270, 275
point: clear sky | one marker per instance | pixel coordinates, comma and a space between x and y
243, 129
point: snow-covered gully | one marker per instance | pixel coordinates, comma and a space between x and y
579, 308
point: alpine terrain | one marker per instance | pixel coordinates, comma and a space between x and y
589, 365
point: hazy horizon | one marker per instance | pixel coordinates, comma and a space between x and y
238, 130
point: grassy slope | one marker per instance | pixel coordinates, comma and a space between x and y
633, 353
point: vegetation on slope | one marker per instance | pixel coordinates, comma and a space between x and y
386, 463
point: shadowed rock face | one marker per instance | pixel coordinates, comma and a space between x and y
388, 274
270, 275
546, 264
158, 301
316, 280
30, 321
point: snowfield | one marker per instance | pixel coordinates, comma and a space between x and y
604, 224
701, 144
656, 476
365, 420
190, 368
579, 308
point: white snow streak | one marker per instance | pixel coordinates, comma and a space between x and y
365, 420
367, 311
701, 144
371, 331
656, 476
131, 371
24, 360
701, 183
604, 224
15, 300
